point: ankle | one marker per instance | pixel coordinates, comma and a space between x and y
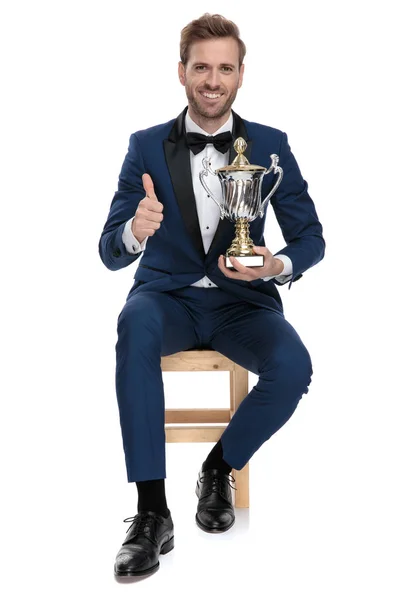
215, 460
151, 496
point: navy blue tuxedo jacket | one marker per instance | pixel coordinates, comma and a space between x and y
174, 256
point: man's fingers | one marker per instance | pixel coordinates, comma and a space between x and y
153, 213
228, 272
238, 265
235, 273
151, 205
148, 185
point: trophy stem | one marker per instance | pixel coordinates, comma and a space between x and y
242, 244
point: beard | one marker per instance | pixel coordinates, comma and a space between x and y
211, 112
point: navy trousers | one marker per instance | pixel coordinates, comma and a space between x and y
154, 324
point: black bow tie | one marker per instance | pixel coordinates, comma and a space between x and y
197, 141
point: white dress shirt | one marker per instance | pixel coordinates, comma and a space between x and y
207, 210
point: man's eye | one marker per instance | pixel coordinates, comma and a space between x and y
203, 67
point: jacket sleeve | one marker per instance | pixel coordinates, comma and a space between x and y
297, 217
123, 207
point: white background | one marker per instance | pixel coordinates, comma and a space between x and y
78, 79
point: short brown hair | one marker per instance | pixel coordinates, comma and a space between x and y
207, 27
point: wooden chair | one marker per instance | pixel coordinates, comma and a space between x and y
208, 360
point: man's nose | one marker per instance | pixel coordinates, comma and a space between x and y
213, 79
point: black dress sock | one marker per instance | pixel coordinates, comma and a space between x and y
151, 496
215, 461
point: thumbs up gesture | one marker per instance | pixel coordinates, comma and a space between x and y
148, 215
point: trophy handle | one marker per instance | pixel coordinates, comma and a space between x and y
279, 170
207, 169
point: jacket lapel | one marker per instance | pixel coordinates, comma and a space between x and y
177, 156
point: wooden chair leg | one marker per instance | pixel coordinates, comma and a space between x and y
239, 388
242, 496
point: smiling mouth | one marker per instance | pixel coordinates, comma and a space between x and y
211, 95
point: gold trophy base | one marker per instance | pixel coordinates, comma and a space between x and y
242, 247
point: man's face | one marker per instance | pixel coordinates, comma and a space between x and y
213, 67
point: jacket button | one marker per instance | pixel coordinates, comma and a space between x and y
117, 253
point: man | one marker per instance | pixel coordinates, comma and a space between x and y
184, 297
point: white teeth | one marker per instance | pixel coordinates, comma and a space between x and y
211, 95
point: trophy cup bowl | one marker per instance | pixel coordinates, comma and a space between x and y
241, 185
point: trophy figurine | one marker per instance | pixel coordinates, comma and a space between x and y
241, 200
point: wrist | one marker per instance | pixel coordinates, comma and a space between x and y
138, 237
278, 267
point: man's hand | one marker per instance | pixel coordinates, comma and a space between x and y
272, 266
148, 215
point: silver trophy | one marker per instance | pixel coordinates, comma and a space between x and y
241, 185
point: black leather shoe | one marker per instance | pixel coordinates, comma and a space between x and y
149, 536
215, 512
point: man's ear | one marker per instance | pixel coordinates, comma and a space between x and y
241, 72
181, 73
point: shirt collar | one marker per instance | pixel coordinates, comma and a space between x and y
193, 127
